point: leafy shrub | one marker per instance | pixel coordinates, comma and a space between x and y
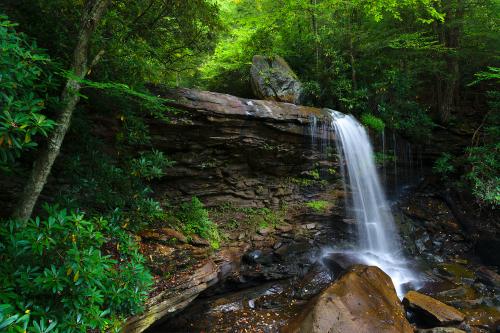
319, 206
100, 182
68, 274
485, 173
234, 218
195, 220
443, 165
409, 118
150, 165
144, 211
399, 106
24, 86
372, 122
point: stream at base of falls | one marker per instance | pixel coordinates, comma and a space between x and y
274, 284
378, 242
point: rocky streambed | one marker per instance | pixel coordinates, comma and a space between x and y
272, 276
276, 279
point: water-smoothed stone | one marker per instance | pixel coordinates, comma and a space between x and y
431, 310
362, 300
488, 276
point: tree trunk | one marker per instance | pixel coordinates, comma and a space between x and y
353, 64
314, 24
69, 98
451, 33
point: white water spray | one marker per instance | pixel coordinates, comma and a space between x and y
378, 242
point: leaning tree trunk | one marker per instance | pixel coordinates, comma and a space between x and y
69, 98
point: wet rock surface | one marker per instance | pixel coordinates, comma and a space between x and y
279, 273
362, 300
440, 330
258, 154
431, 310
276, 274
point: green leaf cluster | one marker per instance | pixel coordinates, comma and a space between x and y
373, 122
65, 273
195, 220
25, 86
319, 206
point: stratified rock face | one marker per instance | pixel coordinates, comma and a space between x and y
363, 300
229, 149
272, 79
432, 310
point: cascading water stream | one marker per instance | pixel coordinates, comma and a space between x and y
378, 242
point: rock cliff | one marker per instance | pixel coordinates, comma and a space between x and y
230, 149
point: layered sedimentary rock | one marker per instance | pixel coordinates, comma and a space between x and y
230, 149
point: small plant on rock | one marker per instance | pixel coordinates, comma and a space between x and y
195, 221
319, 206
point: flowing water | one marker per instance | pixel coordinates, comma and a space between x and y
378, 241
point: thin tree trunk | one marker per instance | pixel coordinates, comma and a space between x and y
353, 64
451, 34
69, 98
315, 30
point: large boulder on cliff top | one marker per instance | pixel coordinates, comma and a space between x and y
272, 79
362, 300
431, 310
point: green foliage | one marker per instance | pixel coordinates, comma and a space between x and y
399, 108
373, 122
143, 41
443, 165
493, 73
194, 220
65, 273
100, 181
239, 218
150, 165
485, 173
25, 85
319, 206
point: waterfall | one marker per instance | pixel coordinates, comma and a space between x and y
378, 242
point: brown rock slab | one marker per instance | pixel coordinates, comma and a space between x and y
163, 235
174, 234
198, 241
284, 227
432, 310
265, 231
440, 330
362, 300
